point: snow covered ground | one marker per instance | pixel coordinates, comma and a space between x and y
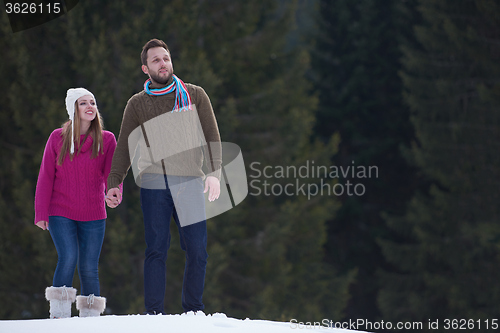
188, 323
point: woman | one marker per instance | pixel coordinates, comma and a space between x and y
69, 202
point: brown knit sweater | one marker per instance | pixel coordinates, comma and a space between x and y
144, 113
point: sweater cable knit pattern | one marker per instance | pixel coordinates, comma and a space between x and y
75, 189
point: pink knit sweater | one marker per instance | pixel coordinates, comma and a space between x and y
76, 188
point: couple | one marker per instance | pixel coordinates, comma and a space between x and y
81, 161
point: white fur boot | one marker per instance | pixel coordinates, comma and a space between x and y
60, 299
90, 306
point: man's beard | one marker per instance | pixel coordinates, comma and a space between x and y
160, 79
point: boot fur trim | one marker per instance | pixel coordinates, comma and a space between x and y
60, 294
90, 305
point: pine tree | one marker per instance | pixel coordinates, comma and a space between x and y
446, 268
355, 71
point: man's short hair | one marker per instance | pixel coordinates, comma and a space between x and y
149, 45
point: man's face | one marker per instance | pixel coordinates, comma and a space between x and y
159, 65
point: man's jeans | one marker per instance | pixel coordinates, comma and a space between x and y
158, 208
79, 243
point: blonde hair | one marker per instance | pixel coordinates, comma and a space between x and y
95, 131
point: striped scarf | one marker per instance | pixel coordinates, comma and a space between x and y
182, 97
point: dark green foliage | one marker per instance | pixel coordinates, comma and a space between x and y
356, 60
448, 264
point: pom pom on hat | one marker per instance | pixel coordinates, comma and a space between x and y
71, 96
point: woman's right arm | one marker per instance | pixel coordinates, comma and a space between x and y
45, 182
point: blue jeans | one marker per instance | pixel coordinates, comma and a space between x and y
77, 243
158, 208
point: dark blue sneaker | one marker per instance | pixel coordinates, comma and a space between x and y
154, 313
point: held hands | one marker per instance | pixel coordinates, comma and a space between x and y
214, 185
113, 197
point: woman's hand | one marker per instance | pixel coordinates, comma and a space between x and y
43, 225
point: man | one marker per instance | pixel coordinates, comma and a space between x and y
165, 101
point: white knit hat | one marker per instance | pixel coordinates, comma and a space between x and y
71, 96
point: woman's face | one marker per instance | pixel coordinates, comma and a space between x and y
87, 109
